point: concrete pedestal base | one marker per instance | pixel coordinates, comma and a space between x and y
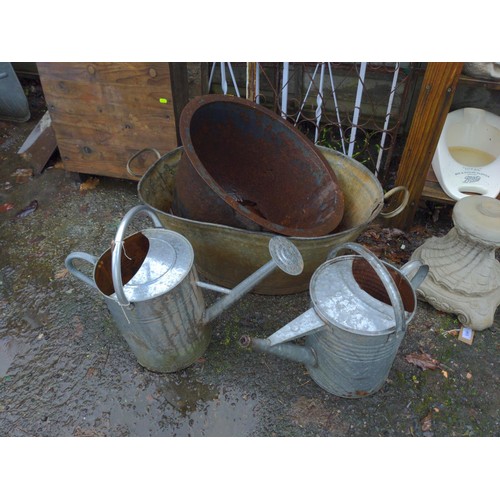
464, 276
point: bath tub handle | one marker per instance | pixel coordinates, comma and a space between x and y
401, 207
75, 272
135, 155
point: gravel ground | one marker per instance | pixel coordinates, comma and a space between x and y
66, 371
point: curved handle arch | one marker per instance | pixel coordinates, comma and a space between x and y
135, 155
385, 277
68, 262
401, 207
116, 256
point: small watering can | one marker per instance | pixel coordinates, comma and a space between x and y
360, 310
151, 288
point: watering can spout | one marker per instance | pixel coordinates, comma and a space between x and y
289, 351
279, 343
285, 256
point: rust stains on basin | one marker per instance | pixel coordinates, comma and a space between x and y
246, 167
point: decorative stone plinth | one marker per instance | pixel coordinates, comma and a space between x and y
464, 275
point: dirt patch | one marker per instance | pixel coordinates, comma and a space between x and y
306, 412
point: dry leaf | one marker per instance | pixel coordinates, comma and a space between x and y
90, 183
394, 232
22, 175
426, 422
469, 375
445, 373
4, 207
423, 360
419, 230
61, 274
386, 243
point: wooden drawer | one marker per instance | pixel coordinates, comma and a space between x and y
103, 113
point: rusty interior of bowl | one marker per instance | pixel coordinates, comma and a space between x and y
244, 166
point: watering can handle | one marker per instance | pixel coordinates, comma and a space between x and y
135, 155
401, 207
116, 256
383, 274
68, 262
418, 269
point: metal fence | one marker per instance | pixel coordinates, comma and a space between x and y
354, 108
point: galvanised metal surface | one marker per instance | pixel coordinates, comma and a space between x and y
151, 287
166, 333
246, 167
226, 255
284, 255
354, 329
159, 310
165, 262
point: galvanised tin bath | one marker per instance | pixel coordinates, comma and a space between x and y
225, 255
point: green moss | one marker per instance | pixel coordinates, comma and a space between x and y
448, 322
423, 406
400, 379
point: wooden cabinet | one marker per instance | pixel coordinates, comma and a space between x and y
103, 113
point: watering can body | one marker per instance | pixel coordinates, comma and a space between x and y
150, 285
360, 310
352, 365
165, 333
159, 310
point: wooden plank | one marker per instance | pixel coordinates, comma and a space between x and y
438, 87
103, 113
480, 82
40, 145
102, 73
252, 69
433, 192
108, 158
180, 88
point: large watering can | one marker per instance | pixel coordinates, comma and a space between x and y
151, 288
360, 310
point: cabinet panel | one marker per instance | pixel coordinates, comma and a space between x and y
103, 113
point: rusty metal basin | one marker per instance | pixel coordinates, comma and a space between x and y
226, 255
244, 166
